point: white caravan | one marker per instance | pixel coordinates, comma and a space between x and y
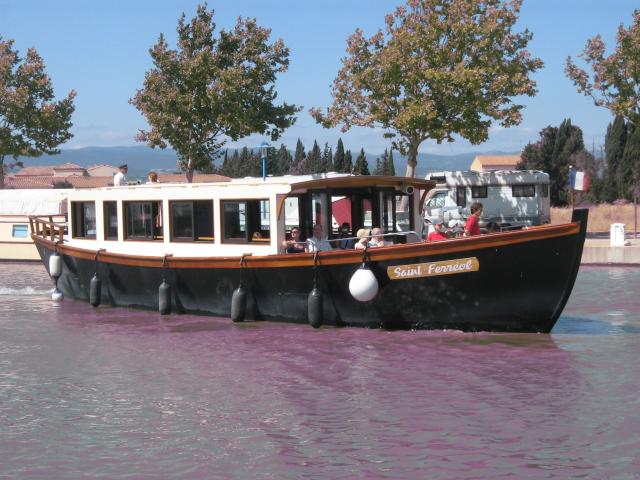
512, 198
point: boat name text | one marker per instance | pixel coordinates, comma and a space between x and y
432, 269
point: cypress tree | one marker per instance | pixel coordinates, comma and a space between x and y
379, 170
347, 164
629, 168
313, 160
285, 160
614, 148
338, 159
391, 168
299, 158
361, 167
326, 161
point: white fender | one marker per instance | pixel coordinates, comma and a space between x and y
363, 284
55, 265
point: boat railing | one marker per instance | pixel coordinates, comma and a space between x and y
51, 227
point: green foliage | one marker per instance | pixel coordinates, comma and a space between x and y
616, 77
629, 170
361, 167
441, 68
615, 141
557, 150
211, 88
31, 121
338, 159
347, 164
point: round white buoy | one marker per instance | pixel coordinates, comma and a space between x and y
55, 265
56, 295
363, 284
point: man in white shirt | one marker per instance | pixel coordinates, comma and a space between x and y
120, 179
318, 243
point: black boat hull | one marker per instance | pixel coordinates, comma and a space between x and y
521, 284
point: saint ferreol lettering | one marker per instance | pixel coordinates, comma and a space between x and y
432, 269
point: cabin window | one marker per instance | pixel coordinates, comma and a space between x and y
143, 220
246, 221
544, 190
461, 196
20, 231
110, 220
523, 190
192, 221
479, 192
84, 219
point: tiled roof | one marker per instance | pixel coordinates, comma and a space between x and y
507, 160
197, 178
16, 182
89, 182
68, 166
35, 171
100, 165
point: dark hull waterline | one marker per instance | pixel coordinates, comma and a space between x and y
522, 282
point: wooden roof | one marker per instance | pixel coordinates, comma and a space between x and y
362, 181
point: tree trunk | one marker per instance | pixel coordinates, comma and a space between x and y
1, 172
190, 171
412, 162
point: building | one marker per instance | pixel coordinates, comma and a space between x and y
490, 163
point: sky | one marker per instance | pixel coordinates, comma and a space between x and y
99, 48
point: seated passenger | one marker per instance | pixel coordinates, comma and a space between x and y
318, 243
256, 236
377, 240
438, 233
345, 232
363, 239
295, 245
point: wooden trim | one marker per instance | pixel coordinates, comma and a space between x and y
335, 257
280, 206
360, 181
7, 242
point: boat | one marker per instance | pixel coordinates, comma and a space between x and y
216, 249
15, 207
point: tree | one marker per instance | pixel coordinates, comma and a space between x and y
298, 159
614, 143
31, 121
616, 78
326, 163
391, 168
629, 171
441, 68
313, 160
347, 164
211, 88
362, 166
554, 153
285, 160
338, 159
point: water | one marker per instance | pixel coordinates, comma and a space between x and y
115, 393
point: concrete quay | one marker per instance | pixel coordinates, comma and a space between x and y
598, 251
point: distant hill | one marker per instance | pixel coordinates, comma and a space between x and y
142, 159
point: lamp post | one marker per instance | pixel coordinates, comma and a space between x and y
264, 149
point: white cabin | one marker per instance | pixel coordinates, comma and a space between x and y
236, 217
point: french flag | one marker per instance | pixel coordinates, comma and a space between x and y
579, 181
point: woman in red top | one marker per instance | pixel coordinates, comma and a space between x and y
472, 227
437, 234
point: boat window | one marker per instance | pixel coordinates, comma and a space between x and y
389, 216
479, 192
20, 231
143, 220
246, 221
523, 190
84, 219
110, 220
192, 220
437, 201
461, 196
